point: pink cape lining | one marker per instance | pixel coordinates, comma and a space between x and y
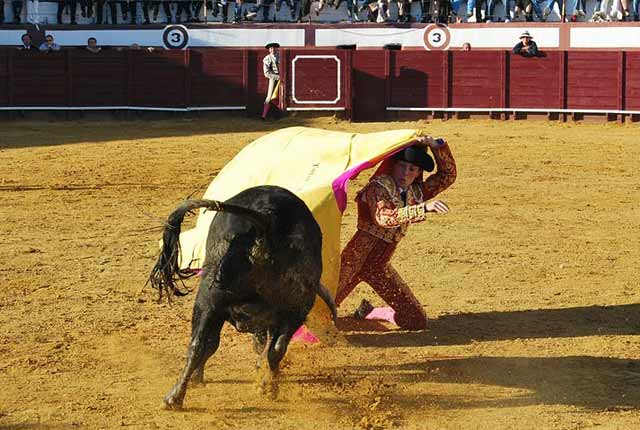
339, 185
303, 334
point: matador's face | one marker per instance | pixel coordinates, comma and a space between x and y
404, 173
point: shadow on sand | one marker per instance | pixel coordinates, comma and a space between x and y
104, 127
598, 383
460, 329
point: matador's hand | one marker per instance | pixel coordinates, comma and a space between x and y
430, 141
437, 206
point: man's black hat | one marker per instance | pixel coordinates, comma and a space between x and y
272, 45
417, 156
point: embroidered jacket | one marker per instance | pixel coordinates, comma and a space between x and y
383, 213
270, 66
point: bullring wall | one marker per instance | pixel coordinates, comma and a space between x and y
365, 84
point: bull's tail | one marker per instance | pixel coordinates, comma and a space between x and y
325, 295
167, 270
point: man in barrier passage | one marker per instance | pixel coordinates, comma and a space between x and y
270, 68
526, 47
395, 197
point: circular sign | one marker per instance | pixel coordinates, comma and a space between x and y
436, 37
175, 37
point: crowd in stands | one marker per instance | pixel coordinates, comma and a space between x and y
441, 11
49, 45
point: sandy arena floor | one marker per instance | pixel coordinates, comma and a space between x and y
531, 284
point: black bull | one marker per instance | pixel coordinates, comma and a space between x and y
261, 273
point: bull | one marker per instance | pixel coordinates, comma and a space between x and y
261, 274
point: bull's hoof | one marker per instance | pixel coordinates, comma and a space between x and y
172, 402
197, 379
268, 385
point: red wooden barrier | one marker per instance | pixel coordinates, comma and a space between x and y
476, 79
98, 80
159, 78
217, 77
592, 80
369, 85
38, 79
535, 83
416, 79
632, 81
364, 83
317, 79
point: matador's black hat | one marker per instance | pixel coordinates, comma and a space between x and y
272, 45
416, 155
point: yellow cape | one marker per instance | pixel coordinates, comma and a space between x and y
312, 163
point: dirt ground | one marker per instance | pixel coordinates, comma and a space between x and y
531, 284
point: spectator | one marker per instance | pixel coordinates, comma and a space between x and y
466, 47
455, 6
166, 6
526, 7
71, 5
425, 5
99, 11
49, 45
292, 6
86, 8
27, 45
136, 47
305, 10
197, 8
443, 10
124, 10
579, 8
184, 6
480, 6
16, 6
549, 8
146, 5
237, 11
526, 47
33, 12
508, 11
404, 11
92, 45
635, 10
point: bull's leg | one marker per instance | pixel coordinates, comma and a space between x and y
259, 346
205, 338
264, 372
210, 349
275, 351
279, 345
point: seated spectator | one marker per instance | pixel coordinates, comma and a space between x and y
526, 47
136, 47
27, 45
49, 45
466, 47
92, 45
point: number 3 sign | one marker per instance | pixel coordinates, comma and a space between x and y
175, 37
436, 37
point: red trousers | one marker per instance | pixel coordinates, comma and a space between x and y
367, 259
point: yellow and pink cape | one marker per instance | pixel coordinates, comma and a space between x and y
314, 164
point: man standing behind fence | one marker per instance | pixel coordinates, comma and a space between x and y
270, 68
